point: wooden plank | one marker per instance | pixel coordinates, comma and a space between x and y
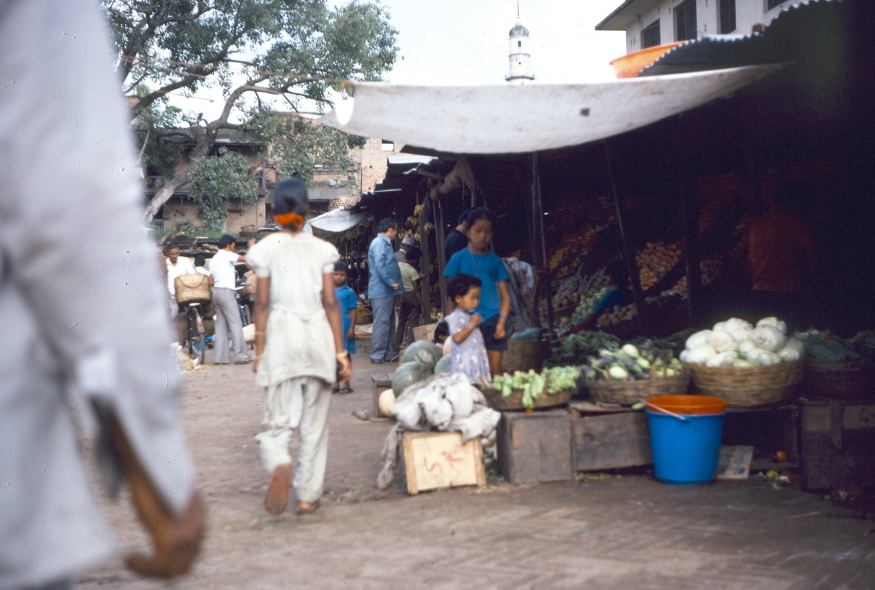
611, 441
535, 447
436, 460
380, 382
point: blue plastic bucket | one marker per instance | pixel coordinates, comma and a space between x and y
685, 452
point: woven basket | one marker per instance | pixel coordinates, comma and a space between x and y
515, 400
749, 386
629, 392
524, 355
193, 288
838, 381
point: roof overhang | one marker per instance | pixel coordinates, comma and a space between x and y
626, 14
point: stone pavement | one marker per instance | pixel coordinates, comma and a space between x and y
606, 532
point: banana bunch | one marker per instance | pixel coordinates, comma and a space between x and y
631, 363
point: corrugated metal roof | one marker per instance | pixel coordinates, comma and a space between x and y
799, 32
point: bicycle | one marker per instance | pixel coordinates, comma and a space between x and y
196, 338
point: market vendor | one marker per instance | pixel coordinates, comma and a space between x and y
619, 293
782, 257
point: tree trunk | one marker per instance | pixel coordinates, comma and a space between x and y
165, 193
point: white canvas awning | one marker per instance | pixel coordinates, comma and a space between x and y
528, 118
332, 226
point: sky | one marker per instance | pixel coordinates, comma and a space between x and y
465, 42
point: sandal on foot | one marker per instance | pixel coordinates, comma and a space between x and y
307, 507
345, 390
277, 496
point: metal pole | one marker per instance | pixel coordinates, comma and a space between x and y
691, 246
538, 238
425, 263
628, 255
442, 264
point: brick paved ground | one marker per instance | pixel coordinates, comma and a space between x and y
626, 532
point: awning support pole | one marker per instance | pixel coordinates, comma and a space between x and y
442, 264
628, 255
425, 263
539, 249
691, 245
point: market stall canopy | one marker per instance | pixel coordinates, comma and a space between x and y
528, 118
335, 225
812, 31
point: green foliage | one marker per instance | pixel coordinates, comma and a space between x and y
219, 180
298, 49
297, 145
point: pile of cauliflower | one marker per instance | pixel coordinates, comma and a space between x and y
736, 343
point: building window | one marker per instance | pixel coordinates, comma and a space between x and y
727, 16
770, 4
519, 43
685, 19
650, 35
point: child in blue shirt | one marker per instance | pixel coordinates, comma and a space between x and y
347, 299
477, 261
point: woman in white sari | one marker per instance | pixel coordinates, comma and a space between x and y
299, 349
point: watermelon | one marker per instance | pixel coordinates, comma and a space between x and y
443, 365
424, 352
409, 373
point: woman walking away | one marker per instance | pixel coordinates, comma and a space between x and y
299, 349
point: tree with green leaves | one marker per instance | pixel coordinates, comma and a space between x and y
300, 50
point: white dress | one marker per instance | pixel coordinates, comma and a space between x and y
469, 356
298, 341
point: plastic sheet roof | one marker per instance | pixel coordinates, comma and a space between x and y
529, 118
798, 32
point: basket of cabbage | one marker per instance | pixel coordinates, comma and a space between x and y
743, 364
527, 390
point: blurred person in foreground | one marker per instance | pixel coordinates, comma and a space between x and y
88, 316
299, 350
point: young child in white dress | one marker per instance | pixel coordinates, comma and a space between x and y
468, 354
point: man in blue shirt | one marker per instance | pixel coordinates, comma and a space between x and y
383, 286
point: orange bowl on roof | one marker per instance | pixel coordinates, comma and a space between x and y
631, 64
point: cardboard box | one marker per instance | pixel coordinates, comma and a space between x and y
425, 332
436, 460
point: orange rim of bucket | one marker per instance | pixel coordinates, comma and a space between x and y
689, 404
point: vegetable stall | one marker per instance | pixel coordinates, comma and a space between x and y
672, 196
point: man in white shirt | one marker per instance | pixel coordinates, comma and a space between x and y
227, 311
176, 267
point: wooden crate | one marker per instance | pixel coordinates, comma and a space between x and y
611, 441
380, 382
837, 442
436, 460
535, 447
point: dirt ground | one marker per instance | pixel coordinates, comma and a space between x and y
605, 531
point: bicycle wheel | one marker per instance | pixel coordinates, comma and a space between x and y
200, 347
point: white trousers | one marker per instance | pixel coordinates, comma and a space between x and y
297, 404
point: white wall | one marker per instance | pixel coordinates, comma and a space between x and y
747, 14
